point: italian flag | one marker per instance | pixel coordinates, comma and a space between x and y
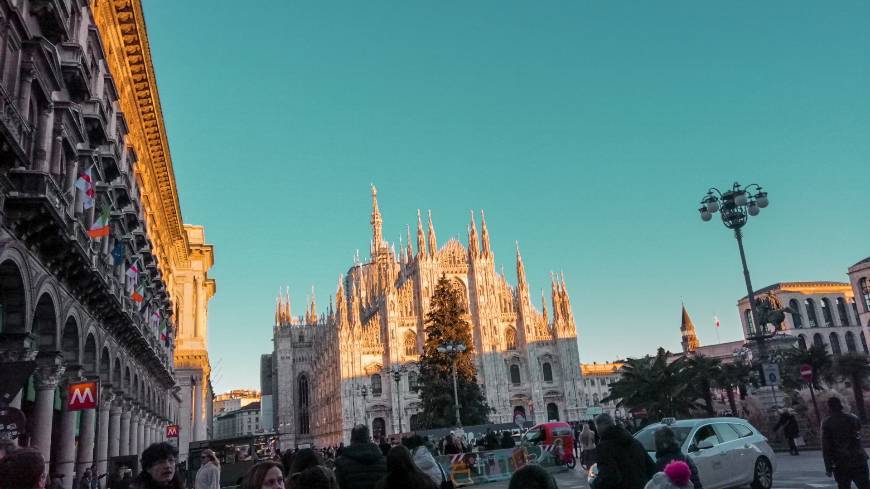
138, 294
85, 183
100, 227
164, 334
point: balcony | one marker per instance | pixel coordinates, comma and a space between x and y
96, 122
16, 131
53, 18
76, 73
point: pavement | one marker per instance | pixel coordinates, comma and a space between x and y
806, 471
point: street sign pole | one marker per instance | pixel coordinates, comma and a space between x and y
806, 371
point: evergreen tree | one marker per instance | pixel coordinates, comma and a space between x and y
446, 322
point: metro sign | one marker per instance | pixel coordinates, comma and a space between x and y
172, 431
82, 395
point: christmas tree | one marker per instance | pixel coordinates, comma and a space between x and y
447, 322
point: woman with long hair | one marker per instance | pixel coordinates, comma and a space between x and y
403, 473
264, 475
209, 474
158, 468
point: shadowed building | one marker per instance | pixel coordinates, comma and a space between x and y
527, 360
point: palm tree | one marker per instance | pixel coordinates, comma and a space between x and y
817, 357
855, 368
702, 371
657, 384
730, 377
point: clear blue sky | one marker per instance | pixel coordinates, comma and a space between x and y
588, 131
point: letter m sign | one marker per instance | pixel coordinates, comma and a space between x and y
172, 431
82, 395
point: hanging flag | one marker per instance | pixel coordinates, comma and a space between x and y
100, 227
155, 319
138, 294
716, 321
85, 183
164, 333
118, 253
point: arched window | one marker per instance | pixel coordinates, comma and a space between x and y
379, 428
410, 344
841, 311
415, 422
818, 341
851, 347
864, 343
515, 375
749, 325
412, 381
864, 287
835, 344
812, 320
802, 342
302, 399
796, 319
548, 372
377, 388
826, 313
552, 412
855, 310
510, 339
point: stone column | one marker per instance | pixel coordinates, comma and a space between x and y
134, 430
65, 463
147, 429
48, 374
87, 432
197, 407
124, 438
104, 424
140, 434
115, 426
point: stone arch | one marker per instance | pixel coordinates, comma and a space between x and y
128, 381
851, 346
835, 344
13, 297
303, 401
510, 338
105, 365
134, 387
89, 355
69, 343
45, 323
460, 287
410, 344
117, 374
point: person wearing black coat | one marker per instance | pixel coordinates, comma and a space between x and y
845, 458
790, 430
507, 441
622, 461
361, 464
668, 450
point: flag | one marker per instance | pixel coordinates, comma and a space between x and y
118, 253
100, 227
164, 333
138, 294
716, 321
85, 183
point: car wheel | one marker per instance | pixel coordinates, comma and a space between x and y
763, 475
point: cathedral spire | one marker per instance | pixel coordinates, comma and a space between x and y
421, 241
484, 236
687, 328
433, 243
278, 308
312, 312
521, 270
473, 246
544, 307
556, 298
410, 250
376, 222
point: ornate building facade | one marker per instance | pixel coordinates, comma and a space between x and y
356, 363
93, 250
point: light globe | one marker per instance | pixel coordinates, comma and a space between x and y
761, 199
740, 199
753, 209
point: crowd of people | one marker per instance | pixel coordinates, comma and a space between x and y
621, 462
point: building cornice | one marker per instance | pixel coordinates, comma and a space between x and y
818, 287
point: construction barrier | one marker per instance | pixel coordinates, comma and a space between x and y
495, 465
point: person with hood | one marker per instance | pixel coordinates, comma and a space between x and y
668, 450
158, 468
586, 439
622, 461
209, 474
788, 423
316, 477
403, 473
423, 458
361, 464
842, 452
676, 475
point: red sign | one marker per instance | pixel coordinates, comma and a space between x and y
172, 431
82, 395
639, 413
807, 372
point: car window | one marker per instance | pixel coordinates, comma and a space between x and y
742, 430
647, 437
705, 433
562, 431
726, 432
533, 436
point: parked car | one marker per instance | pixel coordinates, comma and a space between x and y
559, 434
728, 452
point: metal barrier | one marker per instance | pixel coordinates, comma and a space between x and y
494, 465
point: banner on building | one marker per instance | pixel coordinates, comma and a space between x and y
82, 395
172, 431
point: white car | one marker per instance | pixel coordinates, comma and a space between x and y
728, 452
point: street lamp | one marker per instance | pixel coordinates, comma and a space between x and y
397, 376
453, 349
736, 206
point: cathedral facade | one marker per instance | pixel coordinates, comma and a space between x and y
356, 363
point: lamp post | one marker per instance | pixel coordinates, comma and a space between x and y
453, 349
736, 206
364, 390
397, 376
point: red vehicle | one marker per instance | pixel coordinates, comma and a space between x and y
559, 435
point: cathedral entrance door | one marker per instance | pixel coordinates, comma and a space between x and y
379, 428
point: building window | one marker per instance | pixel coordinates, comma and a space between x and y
855, 311
864, 343
826, 313
818, 341
802, 342
851, 347
304, 417
377, 388
510, 339
835, 344
410, 344
812, 320
548, 372
864, 287
749, 325
515, 375
412, 381
552, 412
796, 318
841, 311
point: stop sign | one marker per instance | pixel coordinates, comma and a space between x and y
807, 372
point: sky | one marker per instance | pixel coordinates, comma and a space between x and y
587, 131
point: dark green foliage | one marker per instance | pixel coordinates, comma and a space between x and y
854, 369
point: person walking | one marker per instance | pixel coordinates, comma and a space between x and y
676, 475
507, 440
845, 458
668, 450
264, 475
361, 464
22, 469
403, 473
622, 461
158, 468
209, 474
423, 458
789, 424
586, 441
